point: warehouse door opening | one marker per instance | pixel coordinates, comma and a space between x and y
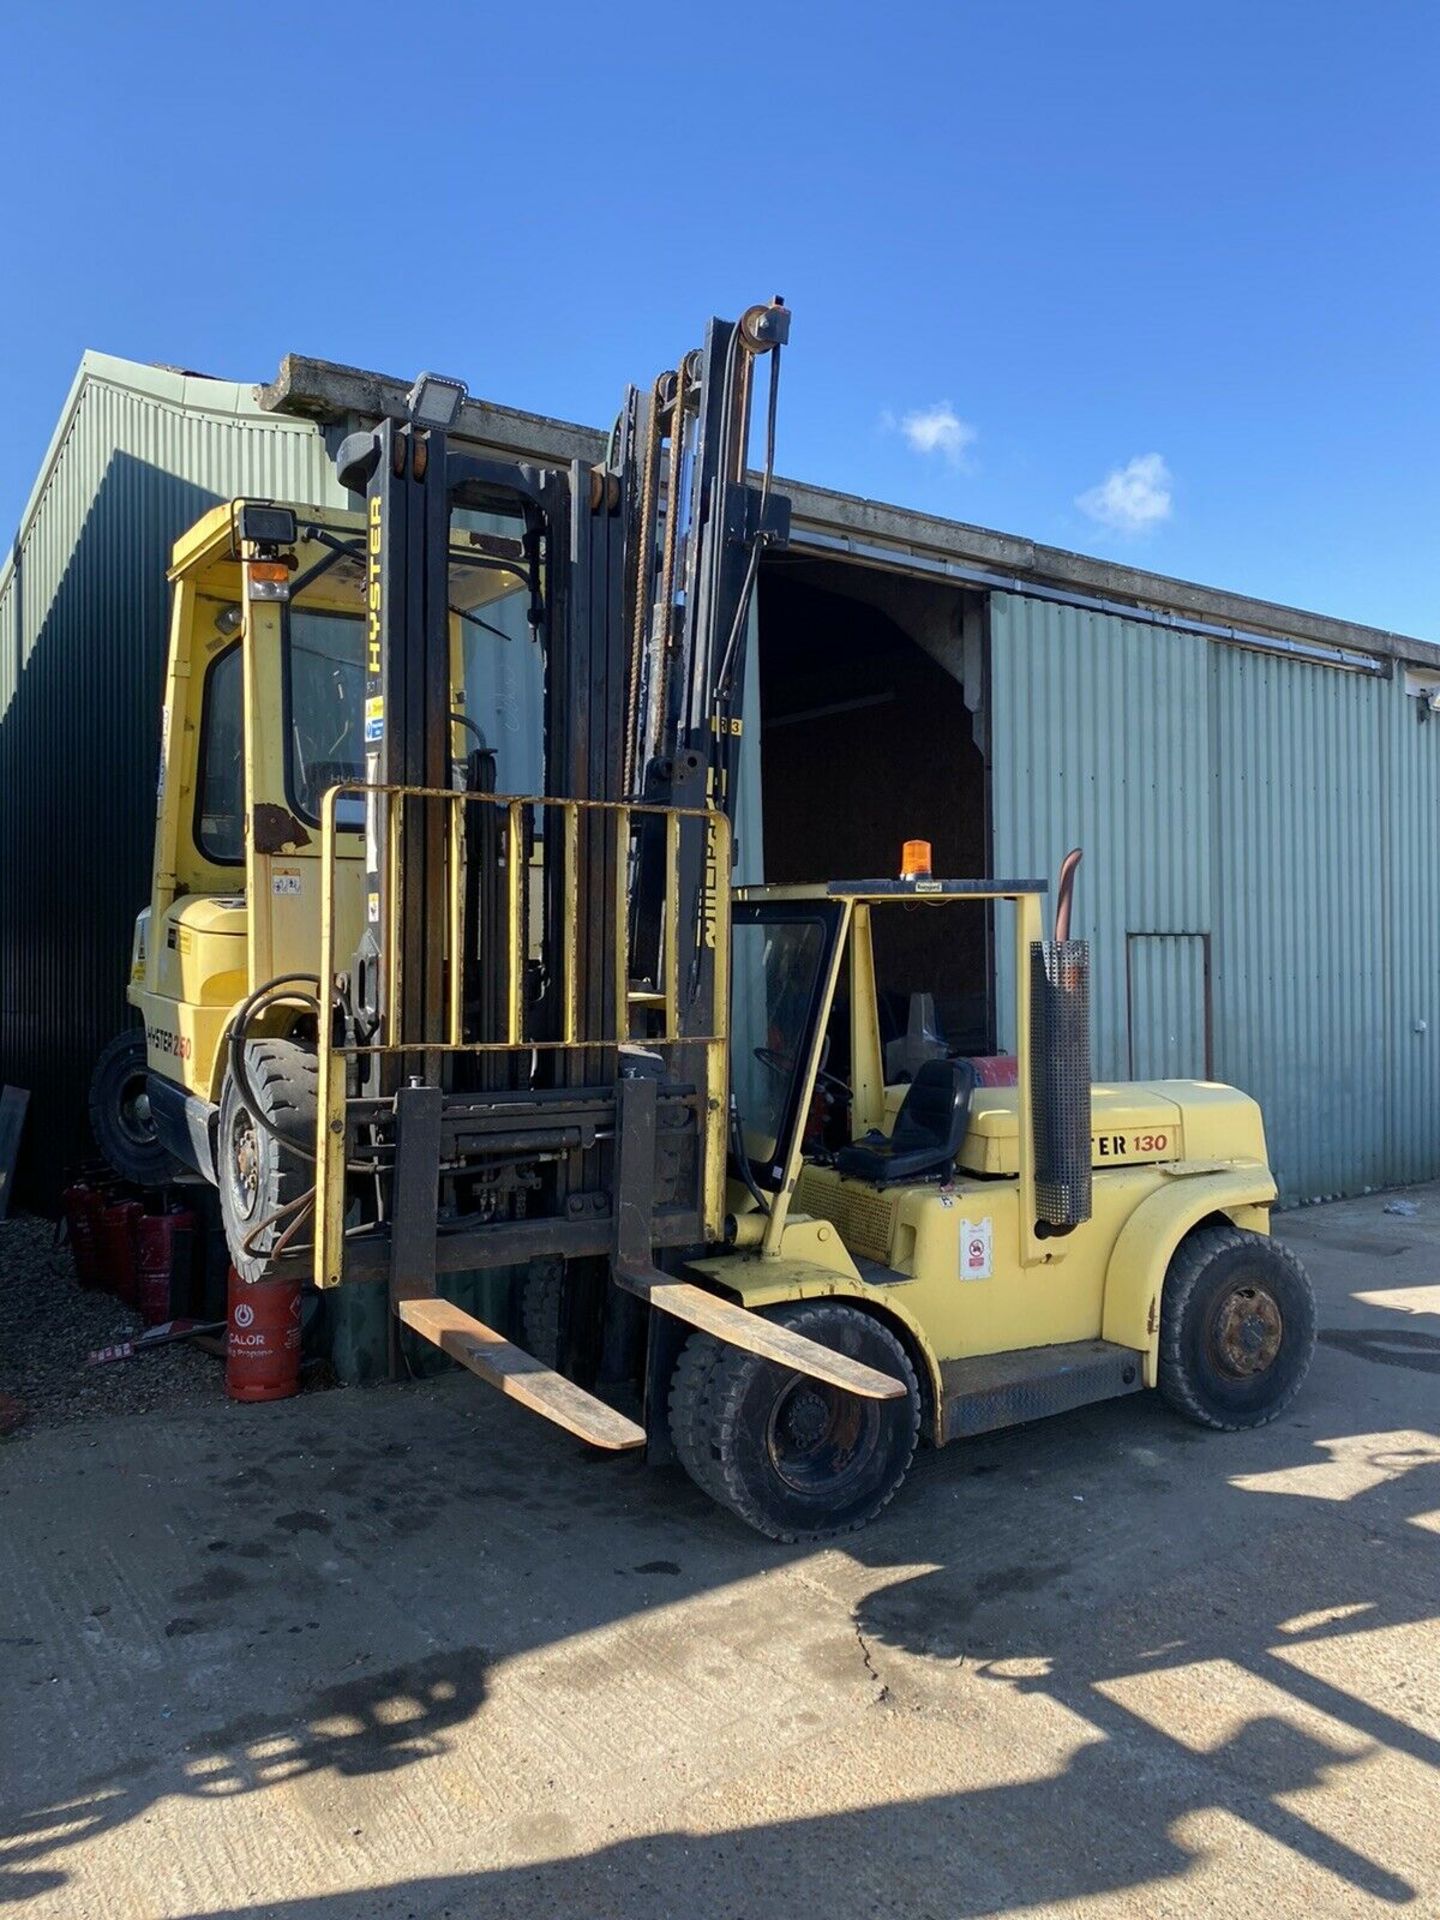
870, 710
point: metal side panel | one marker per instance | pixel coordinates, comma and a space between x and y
994, 1390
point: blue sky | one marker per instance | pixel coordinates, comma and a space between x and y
1156, 282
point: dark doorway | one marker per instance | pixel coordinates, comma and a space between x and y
867, 741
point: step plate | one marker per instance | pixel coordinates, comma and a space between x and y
995, 1390
519, 1375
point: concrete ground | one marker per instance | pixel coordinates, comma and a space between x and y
411, 1652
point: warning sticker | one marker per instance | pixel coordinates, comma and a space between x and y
374, 719
976, 1249
285, 880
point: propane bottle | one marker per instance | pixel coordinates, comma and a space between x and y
117, 1248
262, 1340
82, 1203
156, 1239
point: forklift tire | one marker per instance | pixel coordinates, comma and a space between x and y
793, 1457
690, 1411
540, 1308
1237, 1329
120, 1117
257, 1175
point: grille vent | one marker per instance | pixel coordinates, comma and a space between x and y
865, 1219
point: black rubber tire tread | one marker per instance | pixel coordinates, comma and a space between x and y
721, 1416
147, 1165
691, 1432
285, 1078
1201, 1259
540, 1308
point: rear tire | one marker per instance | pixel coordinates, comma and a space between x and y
1237, 1329
793, 1457
120, 1116
257, 1174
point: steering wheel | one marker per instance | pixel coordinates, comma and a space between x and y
777, 1063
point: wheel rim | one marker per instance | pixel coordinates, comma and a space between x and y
244, 1165
1246, 1331
819, 1438
132, 1111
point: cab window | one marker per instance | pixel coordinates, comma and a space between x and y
779, 957
220, 784
324, 703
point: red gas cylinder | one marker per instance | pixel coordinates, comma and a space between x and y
82, 1204
994, 1069
117, 1248
262, 1341
156, 1235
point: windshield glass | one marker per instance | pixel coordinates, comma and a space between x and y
325, 689
775, 979
503, 689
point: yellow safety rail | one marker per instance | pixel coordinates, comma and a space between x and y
661, 1005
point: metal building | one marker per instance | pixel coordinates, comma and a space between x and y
1253, 785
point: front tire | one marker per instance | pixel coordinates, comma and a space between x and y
120, 1116
793, 1457
1237, 1329
258, 1174
540, 1308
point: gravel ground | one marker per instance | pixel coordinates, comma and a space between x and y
48, 1323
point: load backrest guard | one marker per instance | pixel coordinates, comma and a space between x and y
531, 1106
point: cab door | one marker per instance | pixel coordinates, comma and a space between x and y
304, 715
783, 959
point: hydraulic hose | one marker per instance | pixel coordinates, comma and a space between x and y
300, 1206
723, 687
742, 1160
244, 1014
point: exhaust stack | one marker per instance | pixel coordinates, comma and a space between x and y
1060, 1066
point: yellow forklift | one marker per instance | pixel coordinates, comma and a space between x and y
413, 1026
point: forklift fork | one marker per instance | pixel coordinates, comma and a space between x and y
635, 1271
520, 1375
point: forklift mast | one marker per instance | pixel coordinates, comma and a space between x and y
535, 1016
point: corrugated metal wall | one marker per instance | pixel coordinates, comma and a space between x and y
1410, 1027
1300, 911
1283, 809
1167, 980
83, 614
1098, 740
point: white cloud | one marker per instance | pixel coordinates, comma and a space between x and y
1131, 498
938, 429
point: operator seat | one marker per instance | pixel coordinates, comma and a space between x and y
929, 1128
